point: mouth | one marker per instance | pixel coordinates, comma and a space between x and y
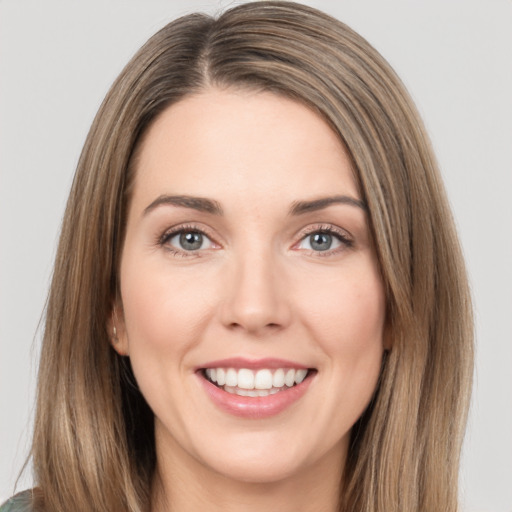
262, 382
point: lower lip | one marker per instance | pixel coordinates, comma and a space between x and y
258, 407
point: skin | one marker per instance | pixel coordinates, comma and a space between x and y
256, 288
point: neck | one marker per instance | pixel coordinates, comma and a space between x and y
191, 487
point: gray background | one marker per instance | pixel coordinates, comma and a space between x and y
57, 59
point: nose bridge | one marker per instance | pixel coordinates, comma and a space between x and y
255, 300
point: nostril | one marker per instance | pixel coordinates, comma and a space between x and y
256, 328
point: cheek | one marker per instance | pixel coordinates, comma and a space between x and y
164, 314
347, 323
164, 310
349, 315
348, 326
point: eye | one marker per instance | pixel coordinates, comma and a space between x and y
187, 240
319, 242
325, 240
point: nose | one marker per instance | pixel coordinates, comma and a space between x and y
255, 298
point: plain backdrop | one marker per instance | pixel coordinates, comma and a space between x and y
57, 60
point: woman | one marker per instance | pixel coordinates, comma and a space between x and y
256, 211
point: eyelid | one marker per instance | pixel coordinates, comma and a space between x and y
326, 228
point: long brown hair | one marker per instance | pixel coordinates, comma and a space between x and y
93, 445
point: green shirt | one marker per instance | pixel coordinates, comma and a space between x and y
21, 502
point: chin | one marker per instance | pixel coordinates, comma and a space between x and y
257, 471
262, 459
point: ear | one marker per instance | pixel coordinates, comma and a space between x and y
117, 331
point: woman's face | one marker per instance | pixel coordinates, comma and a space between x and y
248, 269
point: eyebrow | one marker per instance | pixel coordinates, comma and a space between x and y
203, 204
301, 207
200, 204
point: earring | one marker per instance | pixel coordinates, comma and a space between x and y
114, 328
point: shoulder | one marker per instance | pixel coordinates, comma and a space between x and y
21, 502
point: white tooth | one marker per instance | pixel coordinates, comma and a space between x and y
221, 376
263, 379
289, 378
213, 374
231, 377
208, 373
252, 392
300, 375
278, 378
273, 391
241, 392
245, 379
263, 392
229, 389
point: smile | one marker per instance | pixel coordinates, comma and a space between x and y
255, 383
255, 389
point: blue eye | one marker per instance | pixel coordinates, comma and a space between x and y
322, 241
188, 240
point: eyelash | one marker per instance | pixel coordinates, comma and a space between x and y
326, 229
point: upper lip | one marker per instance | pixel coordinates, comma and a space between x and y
253, 364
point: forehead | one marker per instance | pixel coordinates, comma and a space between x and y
221, 142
